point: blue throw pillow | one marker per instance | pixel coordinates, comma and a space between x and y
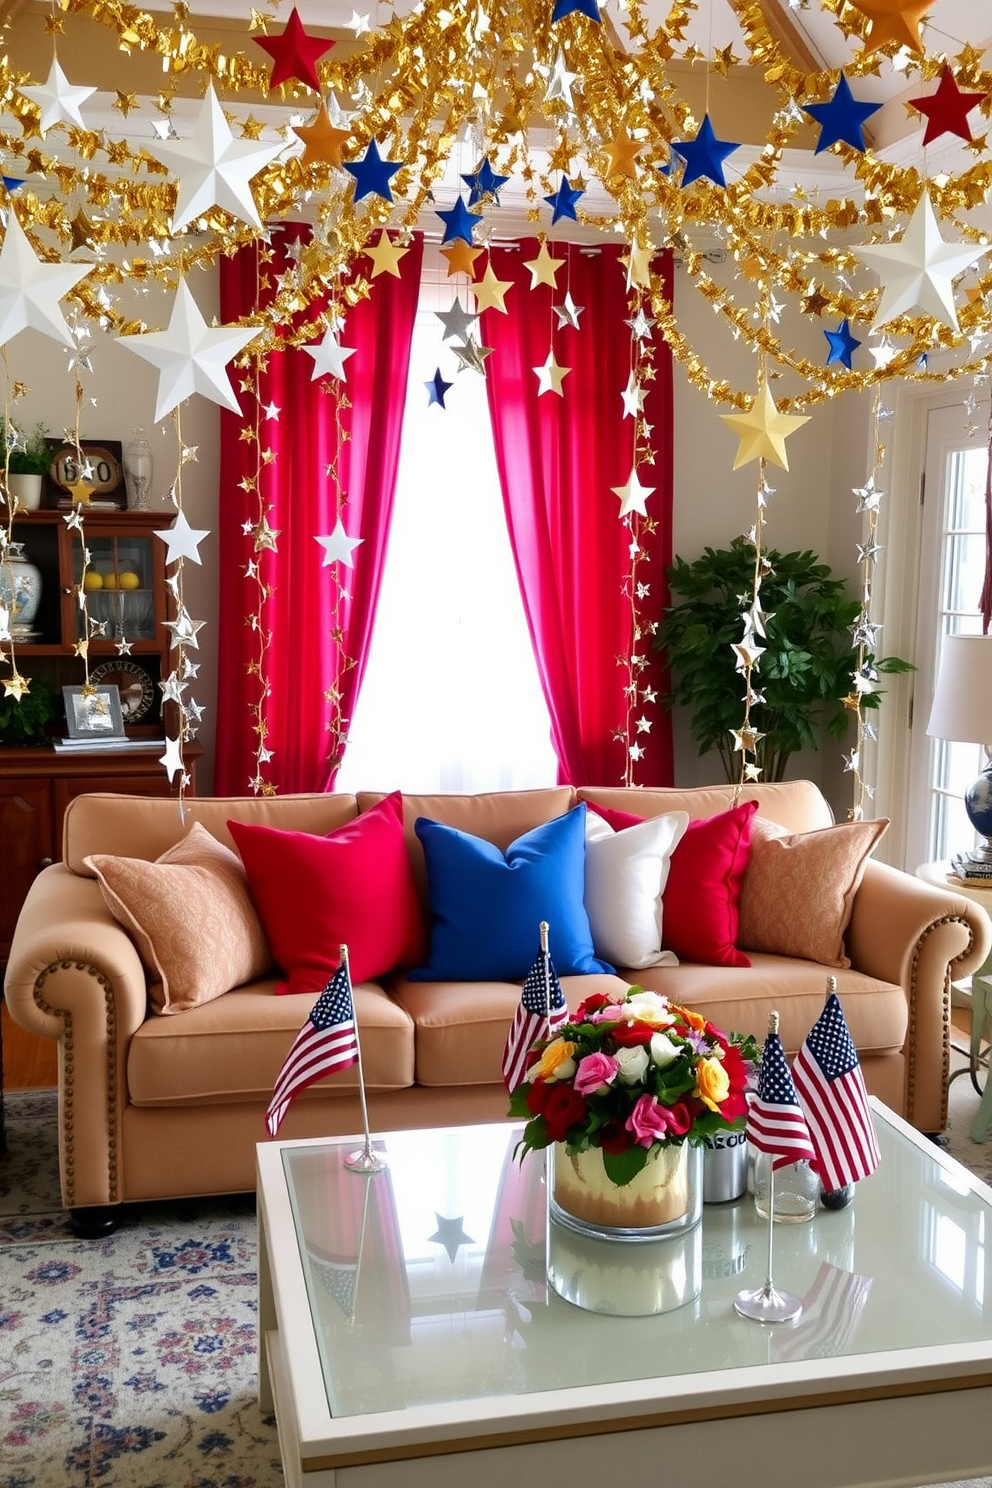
487, 906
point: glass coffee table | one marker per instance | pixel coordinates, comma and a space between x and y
409, 1336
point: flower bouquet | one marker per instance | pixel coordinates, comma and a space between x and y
630, 1082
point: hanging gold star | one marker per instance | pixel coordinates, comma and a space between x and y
461, 257
622, 152
490, 292
125, 102
16, 686
82, 231
265, 536
80, 491
386, 256
762, 431
323, 142
893, 20
544, 269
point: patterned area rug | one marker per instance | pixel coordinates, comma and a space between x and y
128, 1362
131, 1362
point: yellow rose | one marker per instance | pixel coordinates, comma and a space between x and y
712, 1084
556, 1063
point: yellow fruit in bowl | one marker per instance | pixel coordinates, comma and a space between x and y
110, 581
92, 580
128, 580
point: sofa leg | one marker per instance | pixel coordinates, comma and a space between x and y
95, 1223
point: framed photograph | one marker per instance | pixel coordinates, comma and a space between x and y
100, 471
93, 713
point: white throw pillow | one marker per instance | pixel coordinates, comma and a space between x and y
626, 873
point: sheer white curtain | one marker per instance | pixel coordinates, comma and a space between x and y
451, 699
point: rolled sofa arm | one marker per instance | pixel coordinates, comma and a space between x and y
923, 937
74, 975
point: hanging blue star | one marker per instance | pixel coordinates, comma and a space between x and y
12, 183
458, 221
563, 201
842, 344
484, 182
704, 155
584, 7
841, 119
373, 174
436, 389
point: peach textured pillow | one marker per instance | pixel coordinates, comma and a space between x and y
191, 917
798, 890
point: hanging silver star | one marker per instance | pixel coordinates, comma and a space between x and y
568, 313
457, 321
472, 355
451, 1234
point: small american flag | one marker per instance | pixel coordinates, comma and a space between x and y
831, 1087
326, 1042
541, 1011
775, 1121
831, 1313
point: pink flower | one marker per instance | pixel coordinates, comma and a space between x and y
650, 1121
595, 1073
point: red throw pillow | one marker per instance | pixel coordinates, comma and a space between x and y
703, 891
354, 887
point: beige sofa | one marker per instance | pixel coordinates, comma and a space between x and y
153, 1107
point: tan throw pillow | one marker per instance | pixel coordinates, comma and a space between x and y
798, 890
191, 918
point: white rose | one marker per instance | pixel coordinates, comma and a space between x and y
631, 1063
663, 1050
649, 1007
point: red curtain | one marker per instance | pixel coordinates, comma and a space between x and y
308, 652
558, 458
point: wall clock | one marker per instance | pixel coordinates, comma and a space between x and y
136, 688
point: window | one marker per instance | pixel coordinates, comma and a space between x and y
451, 699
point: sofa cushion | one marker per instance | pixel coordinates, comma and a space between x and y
702, 891
487, 905
353, 887
626, 872
233, 1049
461, 1030
877, 1012
191, 918
798, 890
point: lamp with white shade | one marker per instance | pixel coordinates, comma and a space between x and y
962, 712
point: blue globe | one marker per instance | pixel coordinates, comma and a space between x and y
978, 804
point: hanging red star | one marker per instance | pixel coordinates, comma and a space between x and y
294, 54
947, 110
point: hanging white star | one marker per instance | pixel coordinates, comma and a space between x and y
58, 100
172, 759
329, 356
182, 540
568, 312
214, 168
917, 271
184, 629
884, 353
191, 357
560, 81
633, 397
633, 496
550, 376
338, 546
30, 290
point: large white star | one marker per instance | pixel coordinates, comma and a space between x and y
172, 759
182, 540
338, 546
214, 168
633, 496
917, 271
30, 290
191, 357
58, 100
550, 376
329, 356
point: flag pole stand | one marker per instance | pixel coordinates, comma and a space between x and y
766, 1304
365, 1161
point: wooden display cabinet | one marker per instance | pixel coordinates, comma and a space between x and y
36, 783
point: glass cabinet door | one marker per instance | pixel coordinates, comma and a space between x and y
118, 586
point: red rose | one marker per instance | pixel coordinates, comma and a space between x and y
735, 1105
562, 1109
592, 1004
736, 1067
630, 1034
537, 1097
615, 1137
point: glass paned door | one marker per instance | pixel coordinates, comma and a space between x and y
952, 571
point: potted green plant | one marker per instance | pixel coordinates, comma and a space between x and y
806, 669
26, 719
27, 458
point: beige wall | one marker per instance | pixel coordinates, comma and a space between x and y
812, 506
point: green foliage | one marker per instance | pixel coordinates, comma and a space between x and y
25, 720
35, 457
805, 672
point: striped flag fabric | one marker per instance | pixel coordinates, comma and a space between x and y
540, 1013
832, 1090
326, 1042
775, 1120
831, 1313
